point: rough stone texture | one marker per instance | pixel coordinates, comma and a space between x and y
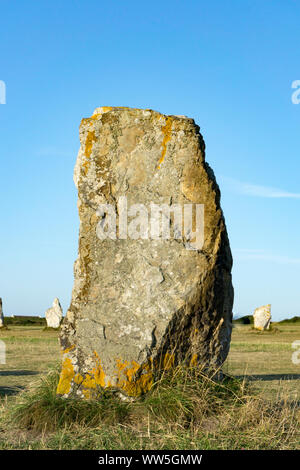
1, 315
262, 317
54, 314
142, 305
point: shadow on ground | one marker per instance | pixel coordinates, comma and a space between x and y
267, 377
17, 372
7, 391
14, 389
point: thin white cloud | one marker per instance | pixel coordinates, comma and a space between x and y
245, 254
256, 190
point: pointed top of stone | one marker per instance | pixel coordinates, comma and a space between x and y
54, 314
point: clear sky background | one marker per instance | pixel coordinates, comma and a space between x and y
228, 64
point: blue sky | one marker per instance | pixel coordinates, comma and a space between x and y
229, 65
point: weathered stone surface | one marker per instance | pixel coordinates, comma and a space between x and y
262, 317
54, 314
1, 314
139, 305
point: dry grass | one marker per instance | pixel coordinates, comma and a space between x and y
185, 410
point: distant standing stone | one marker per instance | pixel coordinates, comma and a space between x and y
262, 317
1, 315
54, 314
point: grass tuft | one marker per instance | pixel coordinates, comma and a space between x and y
185, 409
40, 409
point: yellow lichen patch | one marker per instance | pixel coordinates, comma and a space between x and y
130, 373
78, 379
89, 381
95, 116
132, 383
121, 365
66, 376
93, 378
105, 109
140, 386
98, 372
130, 376
67, 350
91, 138
166, 130
99, 111
87, 394
86, 122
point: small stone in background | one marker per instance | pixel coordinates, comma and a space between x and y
54, 314
262, 318
1, 315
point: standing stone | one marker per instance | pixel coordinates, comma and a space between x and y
1, 315
142, 302
262, 317
54, 314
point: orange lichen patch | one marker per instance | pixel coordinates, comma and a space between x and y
166, 130
96, 116
130, 376
66, 376
85, 121
133, 378
67, 350
92, 379
98, 372
78, 379
121, 365
106, 108
91, 138
89, 381
142, 385
87, 394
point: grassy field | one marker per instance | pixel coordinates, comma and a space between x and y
266, 359
185, 413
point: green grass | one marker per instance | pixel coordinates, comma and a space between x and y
256, 407
258, 347
175, 397
290, 320
25, 321
39, 408
184, 410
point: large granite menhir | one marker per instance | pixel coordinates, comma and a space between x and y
145, 300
